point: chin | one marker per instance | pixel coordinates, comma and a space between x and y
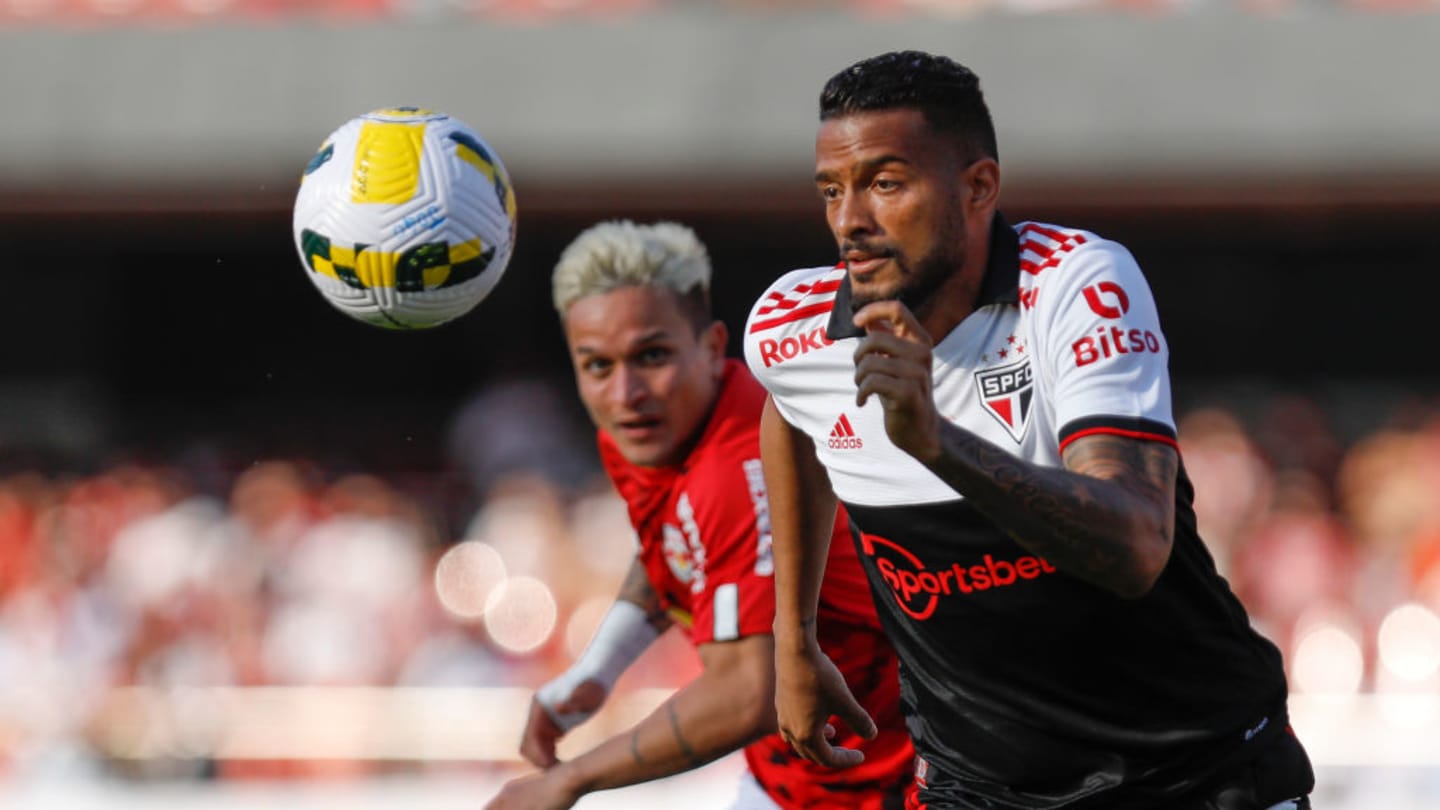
647, 455
866, 294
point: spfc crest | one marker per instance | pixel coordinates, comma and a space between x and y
1006, 392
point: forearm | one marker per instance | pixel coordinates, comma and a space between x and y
637, 590
1088, 524
802, 519
698, 724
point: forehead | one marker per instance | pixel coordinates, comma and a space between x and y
624, 315
866, 136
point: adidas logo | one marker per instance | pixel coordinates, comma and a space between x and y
842, 436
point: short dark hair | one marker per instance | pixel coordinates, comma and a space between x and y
946, 92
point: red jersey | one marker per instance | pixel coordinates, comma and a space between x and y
704, 531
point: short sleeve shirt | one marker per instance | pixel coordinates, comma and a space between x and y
1025, 687
704, 532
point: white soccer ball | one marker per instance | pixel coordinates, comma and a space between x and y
405, 218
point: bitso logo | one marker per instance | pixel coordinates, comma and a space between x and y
842, 436
1110, 341
918, 591
1006, 392
1110, 292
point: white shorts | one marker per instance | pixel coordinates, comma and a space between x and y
750, 796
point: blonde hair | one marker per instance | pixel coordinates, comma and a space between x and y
620, 253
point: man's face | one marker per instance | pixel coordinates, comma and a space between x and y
644, 375
893, 192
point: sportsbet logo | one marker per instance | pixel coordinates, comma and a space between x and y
918, 590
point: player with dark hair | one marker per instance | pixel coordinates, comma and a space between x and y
678, 427
991, 404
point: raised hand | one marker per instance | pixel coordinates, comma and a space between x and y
893, 361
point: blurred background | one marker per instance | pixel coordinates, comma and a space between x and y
253, 553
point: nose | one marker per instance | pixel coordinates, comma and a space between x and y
628, 386
852, 216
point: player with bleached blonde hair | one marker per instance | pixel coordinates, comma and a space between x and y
678, 430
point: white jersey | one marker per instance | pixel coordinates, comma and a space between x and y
1074, 347
1022, 686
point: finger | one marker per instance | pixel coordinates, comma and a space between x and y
891, 316
890, 366
539, 753
847, 708
892, 391
889, 343
834, 756
537, 743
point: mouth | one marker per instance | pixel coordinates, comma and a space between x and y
862, 264
639, 428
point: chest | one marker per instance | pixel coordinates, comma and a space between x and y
987, 379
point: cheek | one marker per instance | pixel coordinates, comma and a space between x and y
592, 395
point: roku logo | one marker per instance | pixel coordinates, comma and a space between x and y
775, 352
918, 591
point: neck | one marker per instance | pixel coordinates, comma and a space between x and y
956, 297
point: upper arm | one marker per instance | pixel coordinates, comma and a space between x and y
793, 473
1146, 469
1100, 347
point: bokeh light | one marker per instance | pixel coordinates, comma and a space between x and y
521, 615
466, 576
1327, 660
1409, 642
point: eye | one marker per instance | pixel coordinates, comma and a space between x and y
886, 184
595, 366
653, 356
830, 192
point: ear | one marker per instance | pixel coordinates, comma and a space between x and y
714, 339
982, 188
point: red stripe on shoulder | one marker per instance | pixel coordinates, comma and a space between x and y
1129, 434
1048, 255
804, 300
794, 315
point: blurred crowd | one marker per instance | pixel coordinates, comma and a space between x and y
280, 573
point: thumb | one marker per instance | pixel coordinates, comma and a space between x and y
587, 696
849, 710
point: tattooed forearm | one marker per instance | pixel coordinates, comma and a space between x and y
1108, 518
637, 590
680, 740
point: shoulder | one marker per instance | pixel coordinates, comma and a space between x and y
798, 295
1067, 260
731, 435
789, 319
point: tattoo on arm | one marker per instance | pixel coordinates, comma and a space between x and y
1083, 518
637, 590
685, 748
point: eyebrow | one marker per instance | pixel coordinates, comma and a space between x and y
871, 165
647, 338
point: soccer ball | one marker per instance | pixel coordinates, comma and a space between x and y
405, 218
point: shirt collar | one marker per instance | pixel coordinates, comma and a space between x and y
1001, 284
